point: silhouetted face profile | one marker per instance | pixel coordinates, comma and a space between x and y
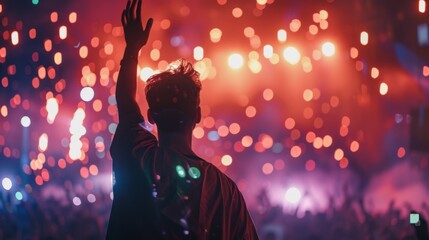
174, 98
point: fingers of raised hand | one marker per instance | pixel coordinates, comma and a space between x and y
128, 11
133, 9
148, 25
124, 18
138, 10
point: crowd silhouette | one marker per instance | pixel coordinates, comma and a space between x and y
40, 218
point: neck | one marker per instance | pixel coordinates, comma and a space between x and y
177, 141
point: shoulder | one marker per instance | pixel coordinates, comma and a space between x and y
132, 135
221, 180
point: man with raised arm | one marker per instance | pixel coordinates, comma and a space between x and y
163, 190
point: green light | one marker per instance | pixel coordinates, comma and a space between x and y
414, 218
18, 196
180, 171
35, 2
194, 172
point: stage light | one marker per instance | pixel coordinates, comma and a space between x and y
198, 53
234, 128
354, 53
295, 25
155, 54
354, 146
308, 95
83, 51
91, 198
25, 121
313, 29
339, 154
4, 111
255, 66
235, 61
15, 37
318, 143
63, 32
328, 49
6, 183
87, 94
345, 121
52, 109
295, 151
268, 94
291, 55
250, 111
237, 12
43, 142
77, 201
323, 14
327, 141
226, 160
310, 165
249, 32
425, 71
268, 51
293, 195
246, 141
267, 168
213, 136
281, 35
215, 35
165, 24
58, 58
73, 17
18, 196
146, 73
422, 6
384, 88
364, 38
375, 72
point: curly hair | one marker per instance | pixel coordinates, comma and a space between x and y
176, 88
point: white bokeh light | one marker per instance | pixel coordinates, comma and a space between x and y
235, 61
77, 201
25, 121
146, 73
293, 195
91, 198
291, 55
6, 183
328, 49
87, 94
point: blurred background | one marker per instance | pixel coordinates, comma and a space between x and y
317, 109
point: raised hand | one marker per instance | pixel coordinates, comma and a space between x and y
135, 35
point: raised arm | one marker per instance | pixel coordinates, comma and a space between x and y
135, 38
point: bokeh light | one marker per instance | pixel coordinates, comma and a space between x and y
293, 195
291, 55
6, 183
328, 49
87, 94
226, 160
313, 97
25, 121
235, 61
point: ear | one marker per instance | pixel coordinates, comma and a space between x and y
197, 115
150, 117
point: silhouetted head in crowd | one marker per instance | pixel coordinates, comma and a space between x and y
173, 97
